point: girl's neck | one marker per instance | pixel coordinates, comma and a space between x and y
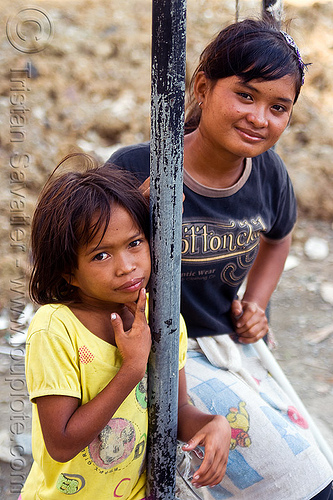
212, 168
97, 320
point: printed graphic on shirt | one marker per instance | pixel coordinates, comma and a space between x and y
114, 444
207, 243
69, 484
204, 241
141, 392
85, 355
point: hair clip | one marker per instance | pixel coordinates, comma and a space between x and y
291, 42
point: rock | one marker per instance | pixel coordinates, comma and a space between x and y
23, 322
316, 248
323, 388
326, 292
24, 440
291, 262
5, 444
4, 320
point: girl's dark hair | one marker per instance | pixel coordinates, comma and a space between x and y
250, 49
65, 218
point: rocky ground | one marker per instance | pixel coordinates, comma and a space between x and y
302, 321
89, 89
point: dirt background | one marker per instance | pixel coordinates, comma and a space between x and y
90, 89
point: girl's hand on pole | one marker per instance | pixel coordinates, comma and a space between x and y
215, 437
250, 321
145, 188
134, 345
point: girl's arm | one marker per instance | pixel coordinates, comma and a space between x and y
68, 427
211, 431
249, 314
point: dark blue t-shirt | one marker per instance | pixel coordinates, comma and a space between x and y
221, 232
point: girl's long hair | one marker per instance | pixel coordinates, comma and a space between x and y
72, 208
250, 49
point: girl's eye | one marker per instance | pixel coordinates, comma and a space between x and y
101, 256
245, 95
135, 243
279, 108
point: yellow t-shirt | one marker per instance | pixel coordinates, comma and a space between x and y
65, 358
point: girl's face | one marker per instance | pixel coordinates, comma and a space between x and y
114, 271
244, 119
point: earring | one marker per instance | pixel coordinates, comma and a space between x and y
199, 104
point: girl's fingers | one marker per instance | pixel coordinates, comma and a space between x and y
236, 309
253, 324
210, 472
141, 302
249, 311
212, 469
254, 331
140, 305
215, 437
118, 329
117, 323
191, 444
140, 311
145, 188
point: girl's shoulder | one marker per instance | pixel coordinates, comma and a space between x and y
270, 168
52, 317
134, 158
269, 160
142, 149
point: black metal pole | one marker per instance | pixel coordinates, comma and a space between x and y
166, 177
273, 9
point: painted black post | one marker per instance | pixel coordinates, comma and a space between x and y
166, 174
273, 8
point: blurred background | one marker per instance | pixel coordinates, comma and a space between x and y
76, 76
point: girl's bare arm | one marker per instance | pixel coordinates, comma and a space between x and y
249, 316
69, 427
